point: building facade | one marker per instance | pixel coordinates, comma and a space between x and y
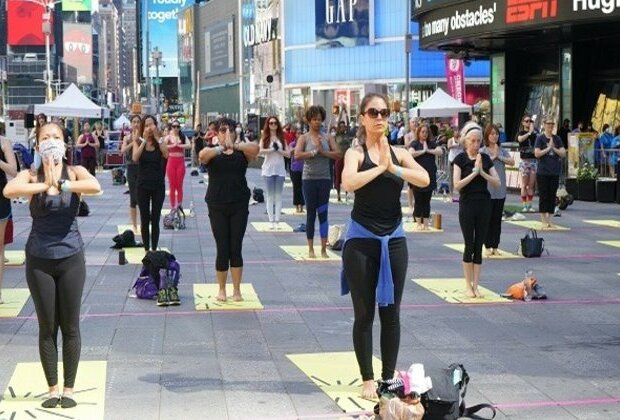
109, 48
128, 65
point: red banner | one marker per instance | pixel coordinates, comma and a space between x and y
455, 78
25, 23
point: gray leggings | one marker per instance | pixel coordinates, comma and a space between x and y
56, 287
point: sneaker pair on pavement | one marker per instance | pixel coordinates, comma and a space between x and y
168, 297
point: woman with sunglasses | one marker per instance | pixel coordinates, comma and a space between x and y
175, 168
528, 165
374, 255
424, 150
132, 139
473, 174
316, 150
228, 198
549, 151
273, 171
55, 267
150, 156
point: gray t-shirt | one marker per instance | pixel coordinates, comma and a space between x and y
316, 167
500, 167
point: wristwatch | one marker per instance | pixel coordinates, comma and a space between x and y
60, 184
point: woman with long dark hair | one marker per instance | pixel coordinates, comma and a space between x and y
227, 199
500, 158
274, 149
375, 256
87, 144
528, 165
316, 150
130, 141
473, 172
175, 167
55, 267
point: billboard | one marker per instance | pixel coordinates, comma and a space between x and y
160, 26
344, 23
25, 20
76, 5
219, 49
78, 50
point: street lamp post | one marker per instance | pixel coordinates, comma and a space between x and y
156, 57
47, 30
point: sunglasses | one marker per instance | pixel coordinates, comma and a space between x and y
273, 123
527, 121
176, 126
374, 112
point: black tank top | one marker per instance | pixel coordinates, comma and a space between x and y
377, 204
227, 181
152, 170
54, 232
3, 180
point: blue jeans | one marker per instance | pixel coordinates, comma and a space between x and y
273, 196
316, 195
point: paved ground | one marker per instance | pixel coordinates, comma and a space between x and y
554, 360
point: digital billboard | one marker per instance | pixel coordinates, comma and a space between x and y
344, 23
219, 49
160, 20
76, 5
78, 50
25, 21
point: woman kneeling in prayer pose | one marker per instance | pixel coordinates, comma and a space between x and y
55, 267
375, 255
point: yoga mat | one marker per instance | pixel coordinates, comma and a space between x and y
410, 227
341, 203
281, 227
300, 253
452, 290
135, 255
100, 193
505, 254
14, 301
337, 375
610, 243
607, 223
123, 228
205, 298
15, 258
291, 211
534, 224
27, 389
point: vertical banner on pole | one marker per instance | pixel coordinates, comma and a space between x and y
455, 78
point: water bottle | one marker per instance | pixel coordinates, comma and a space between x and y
121, 257
529, 273
191, 209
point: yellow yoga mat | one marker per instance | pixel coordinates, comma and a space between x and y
341, 203
14, 301
293, 212
100, 193
300, 253
608, 223
505, 255
452, 290
123, 228
410, 227
15, 257
268, 227
337, 375
288, 185
27, 389
135, 255
535, 224
610, 243
205, 298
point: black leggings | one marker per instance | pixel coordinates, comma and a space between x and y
132, 181
474, 216
56, 287
90, 163
547, 190
360, 259
298, 196
422, 204
316, 194
495, 224
228, 223
150, 203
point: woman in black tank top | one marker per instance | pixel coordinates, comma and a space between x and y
8, 165
55, 267
376, 172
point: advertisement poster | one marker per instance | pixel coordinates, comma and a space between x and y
76, 5
21, 30
160, 22
455, 78
580, 150
219, 49
344, 23
78, 51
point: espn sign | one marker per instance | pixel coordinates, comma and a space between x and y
520, 11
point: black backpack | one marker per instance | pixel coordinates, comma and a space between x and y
258, 195
446, 400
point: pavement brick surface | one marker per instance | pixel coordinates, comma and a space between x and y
557, 359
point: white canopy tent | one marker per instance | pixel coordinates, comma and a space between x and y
439, 105
72, 103
120, 122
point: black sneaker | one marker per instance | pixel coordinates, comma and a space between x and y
162, 298
173, 294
